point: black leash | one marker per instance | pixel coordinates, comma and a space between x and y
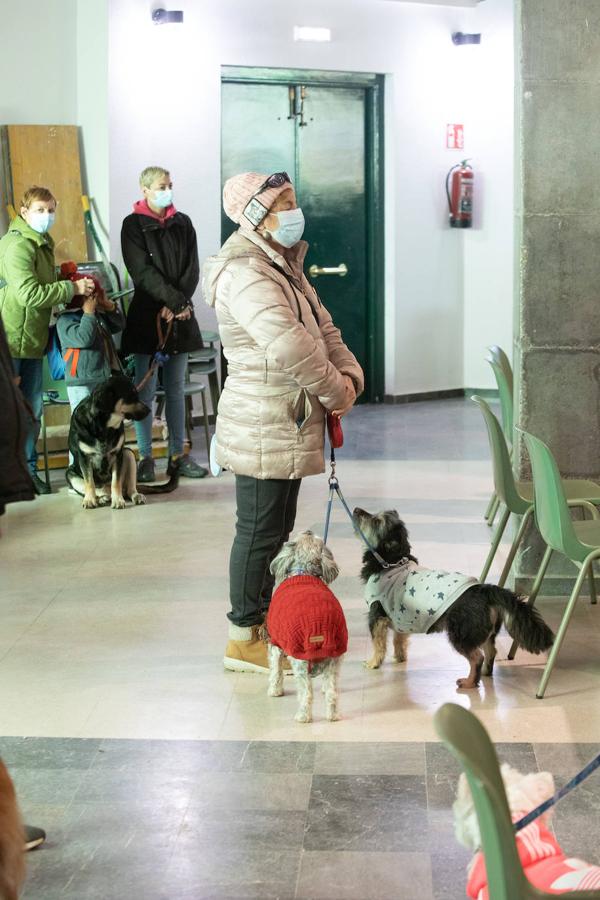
547, 804
335, 490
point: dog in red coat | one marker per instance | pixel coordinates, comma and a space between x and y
306, 623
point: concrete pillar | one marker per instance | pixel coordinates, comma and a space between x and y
557, 322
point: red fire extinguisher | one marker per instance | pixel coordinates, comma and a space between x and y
459, 190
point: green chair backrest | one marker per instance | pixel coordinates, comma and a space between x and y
551, 510
505, 390
504, 481
467, 740
499, 356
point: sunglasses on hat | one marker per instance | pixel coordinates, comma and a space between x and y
256, 211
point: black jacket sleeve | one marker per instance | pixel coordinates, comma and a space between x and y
143, 274
191, 276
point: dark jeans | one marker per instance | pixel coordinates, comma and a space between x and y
30, 373
266, 512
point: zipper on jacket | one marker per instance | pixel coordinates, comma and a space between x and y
266, 371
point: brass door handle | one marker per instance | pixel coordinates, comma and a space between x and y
341, 270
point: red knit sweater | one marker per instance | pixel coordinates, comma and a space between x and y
306, 620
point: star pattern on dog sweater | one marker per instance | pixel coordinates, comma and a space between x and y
441, 595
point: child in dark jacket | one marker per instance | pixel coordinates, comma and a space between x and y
89, 353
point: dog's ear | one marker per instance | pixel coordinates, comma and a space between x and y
329, 566
401, 535
283, 561
103, 399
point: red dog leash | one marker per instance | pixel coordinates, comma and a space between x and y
160, 357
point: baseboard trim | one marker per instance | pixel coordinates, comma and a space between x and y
486, 393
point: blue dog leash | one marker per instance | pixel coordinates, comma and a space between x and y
581, 776
334, 488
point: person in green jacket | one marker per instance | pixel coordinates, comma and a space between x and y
28, 290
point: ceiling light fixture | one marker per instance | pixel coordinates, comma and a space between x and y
167, 17
459, 38
309, 33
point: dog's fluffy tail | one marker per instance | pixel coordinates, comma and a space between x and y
524, 623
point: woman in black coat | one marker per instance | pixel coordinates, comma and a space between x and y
161, 255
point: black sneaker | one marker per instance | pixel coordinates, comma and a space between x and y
145, 470
186, 466
39, 486
34, 837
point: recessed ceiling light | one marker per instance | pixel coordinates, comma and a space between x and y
308, 33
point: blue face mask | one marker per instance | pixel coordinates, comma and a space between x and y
162, 199
41, 221
291, 227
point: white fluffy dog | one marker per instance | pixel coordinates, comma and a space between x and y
306, 623
543, 861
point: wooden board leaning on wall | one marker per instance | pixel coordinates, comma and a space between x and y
47, 155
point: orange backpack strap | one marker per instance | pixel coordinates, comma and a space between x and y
73, 355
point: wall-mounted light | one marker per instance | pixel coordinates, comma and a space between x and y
309, 33
459, 38
167, 17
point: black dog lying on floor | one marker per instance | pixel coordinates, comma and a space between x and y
96, 442
410, 599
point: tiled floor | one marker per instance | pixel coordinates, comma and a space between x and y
158, 775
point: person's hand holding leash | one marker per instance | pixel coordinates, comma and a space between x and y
350, 398
84, 286
106, 305
89, 305
166, 314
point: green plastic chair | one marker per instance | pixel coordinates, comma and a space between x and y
500, 357
467, 740
503, 375
517, 498
578, 541
204, 362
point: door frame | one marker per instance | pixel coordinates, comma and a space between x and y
374, 193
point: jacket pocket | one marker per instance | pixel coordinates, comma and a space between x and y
302, 409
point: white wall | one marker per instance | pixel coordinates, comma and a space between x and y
155, 98
53, 71
37, 82
92, 108
37, 63
489, 246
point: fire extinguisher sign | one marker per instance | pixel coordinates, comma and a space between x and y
455, 137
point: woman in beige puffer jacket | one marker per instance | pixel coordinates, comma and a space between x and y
287, 366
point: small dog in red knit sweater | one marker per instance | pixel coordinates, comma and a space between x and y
306, 623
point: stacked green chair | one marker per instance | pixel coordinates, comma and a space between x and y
467, 740
498, 355
503, 375
204, 362
517, 496
578, 541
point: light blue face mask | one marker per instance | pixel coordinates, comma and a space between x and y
291, 227
162, 199
41, 221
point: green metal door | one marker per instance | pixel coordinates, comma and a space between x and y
319, 134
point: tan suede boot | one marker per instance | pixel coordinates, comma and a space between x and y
245, 651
